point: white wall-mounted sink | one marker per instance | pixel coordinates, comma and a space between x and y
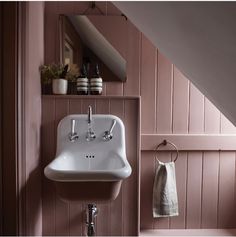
89, 170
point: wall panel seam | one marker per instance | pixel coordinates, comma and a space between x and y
172, 97
218, 196
186, 198
203, 159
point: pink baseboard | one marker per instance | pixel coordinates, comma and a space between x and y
192, 232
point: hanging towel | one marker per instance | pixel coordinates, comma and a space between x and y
165, 201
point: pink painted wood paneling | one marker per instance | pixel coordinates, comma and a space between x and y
51, 33
210, 170
190, 142
194, 190
147, 179
1, 181
130, 187
164, 95
178, 222
190, 232
76, 219
226, 190
62, 214
226, 125
227, 181
196, 110
148, 86
61, 217
210, 174
114, 88
212, 118
180, 102
169, 106
163, 116
114, 218
103, 225
117, 108
194, 170
33, 33
132, 85
102, 106
75, 106
48, 151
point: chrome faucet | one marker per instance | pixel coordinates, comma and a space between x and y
73, 136
90, 136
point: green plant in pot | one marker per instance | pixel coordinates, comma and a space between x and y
55, 75
71, 76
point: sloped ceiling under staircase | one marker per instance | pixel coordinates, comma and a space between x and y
199, 38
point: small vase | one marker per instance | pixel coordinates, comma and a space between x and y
59, 86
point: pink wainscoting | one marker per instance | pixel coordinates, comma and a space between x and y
205, 179
170, 105
115, 218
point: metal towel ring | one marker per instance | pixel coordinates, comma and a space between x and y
164, 143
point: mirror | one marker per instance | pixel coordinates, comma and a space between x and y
95, 39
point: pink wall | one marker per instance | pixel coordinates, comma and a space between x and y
23, 52
169, 104
33, 56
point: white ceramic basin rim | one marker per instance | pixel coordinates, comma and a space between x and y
67, 168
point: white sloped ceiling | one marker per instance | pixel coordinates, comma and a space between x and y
199, 38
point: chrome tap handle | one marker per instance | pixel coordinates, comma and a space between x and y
107, 136
112, 126
73, 136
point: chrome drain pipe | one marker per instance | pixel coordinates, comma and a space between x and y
92, 212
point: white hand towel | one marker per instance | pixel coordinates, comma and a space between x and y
165, 200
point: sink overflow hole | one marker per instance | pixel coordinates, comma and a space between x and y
90, 156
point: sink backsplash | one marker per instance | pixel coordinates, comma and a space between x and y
100, 124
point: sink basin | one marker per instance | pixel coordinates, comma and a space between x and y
89, 170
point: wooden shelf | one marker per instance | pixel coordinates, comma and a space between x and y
88, 97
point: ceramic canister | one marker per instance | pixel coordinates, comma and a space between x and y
59, 86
